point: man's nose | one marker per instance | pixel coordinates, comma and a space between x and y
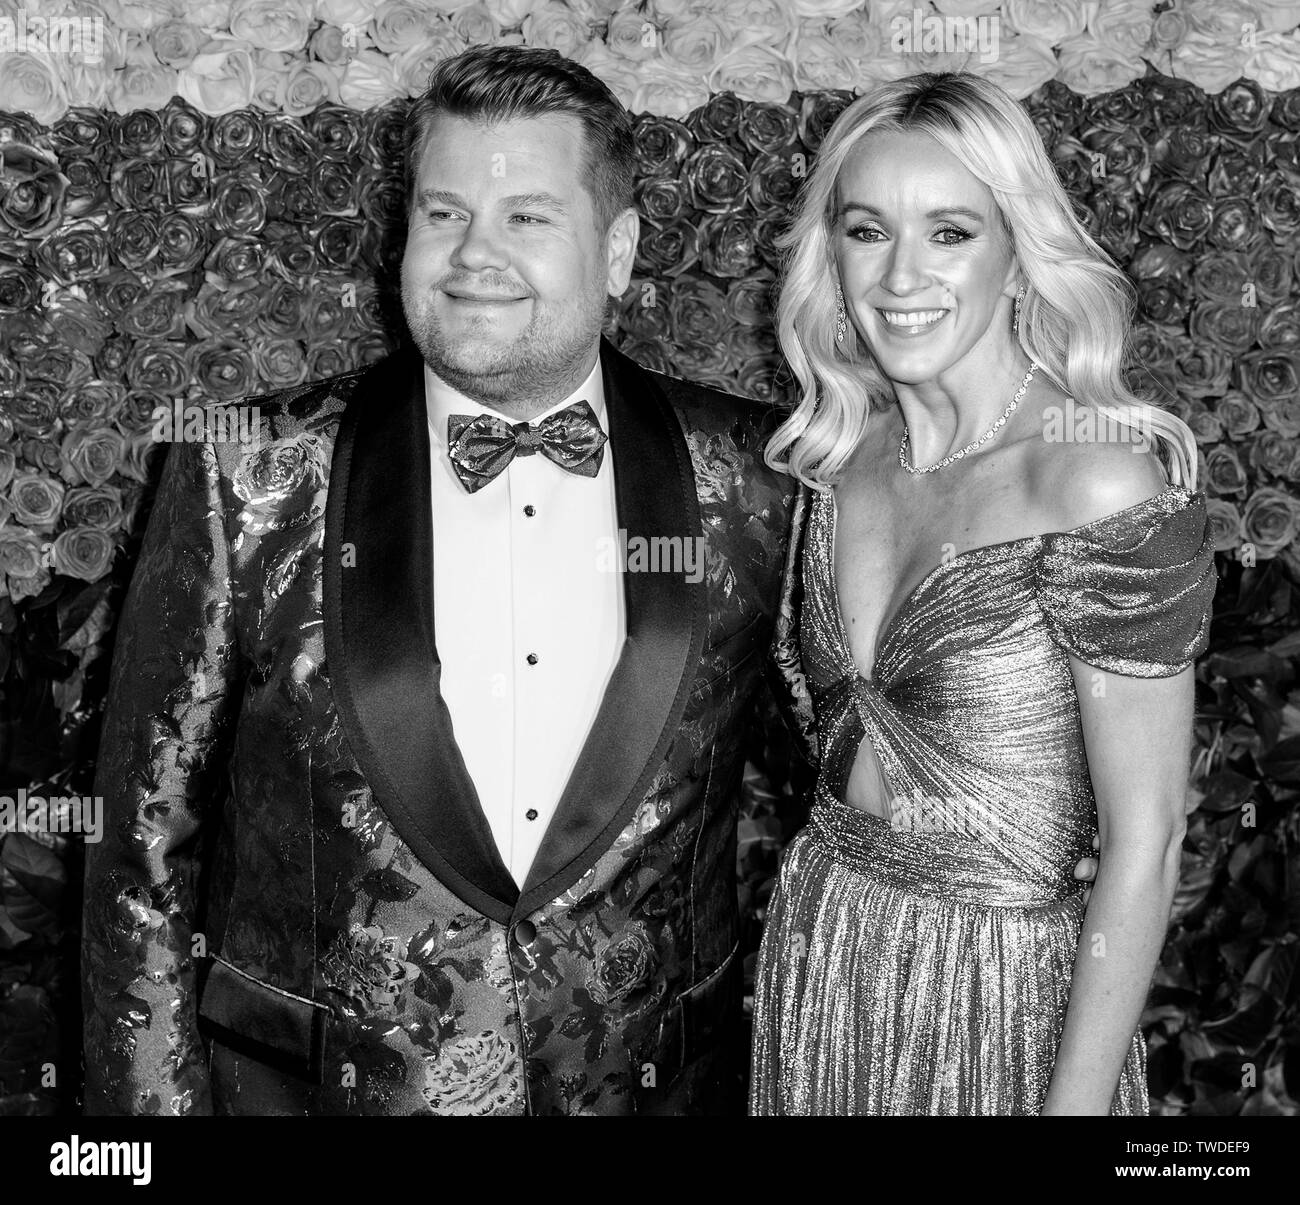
480, 247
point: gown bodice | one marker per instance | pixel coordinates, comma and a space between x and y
971, 708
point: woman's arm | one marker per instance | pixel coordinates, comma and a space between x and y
1137, 735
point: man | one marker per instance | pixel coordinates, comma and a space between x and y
427, 720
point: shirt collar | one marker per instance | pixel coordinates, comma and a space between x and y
441, 400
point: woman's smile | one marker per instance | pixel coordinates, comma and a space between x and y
910, 323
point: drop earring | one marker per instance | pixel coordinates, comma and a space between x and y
1020, 296
841, 319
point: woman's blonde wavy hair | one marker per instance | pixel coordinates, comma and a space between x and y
1075, 315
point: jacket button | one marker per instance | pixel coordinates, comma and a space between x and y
525, 932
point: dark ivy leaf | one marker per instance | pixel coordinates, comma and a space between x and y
11, 936
435, 987
1265, 706
387, 884
538, 1072
51, 594
1164, 1068
1291, 899
467, 928
84, 615
1226, 791
1288, 646
1214, 1104
1282, 762
575, 1025
31, 885
66, 692
469, 969
376, 1062
594, 1048
1291, 1070
1277, 971
1245, 1030
1194, 883
1247, 662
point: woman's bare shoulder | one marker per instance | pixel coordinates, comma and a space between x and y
1077, 481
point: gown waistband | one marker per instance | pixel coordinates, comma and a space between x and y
953, 865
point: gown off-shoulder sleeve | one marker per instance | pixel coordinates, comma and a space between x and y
1132, 593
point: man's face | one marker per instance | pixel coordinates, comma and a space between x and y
505, 274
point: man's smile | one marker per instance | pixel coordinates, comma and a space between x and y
481, 299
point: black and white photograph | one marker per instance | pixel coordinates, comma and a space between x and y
700, 558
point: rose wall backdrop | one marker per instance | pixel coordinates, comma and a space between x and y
206, 205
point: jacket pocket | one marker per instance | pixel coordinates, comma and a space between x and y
704, 1017
730, 654
262, 1021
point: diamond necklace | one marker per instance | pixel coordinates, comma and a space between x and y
1015, 401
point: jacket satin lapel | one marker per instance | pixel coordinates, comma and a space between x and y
379, 636
667, 621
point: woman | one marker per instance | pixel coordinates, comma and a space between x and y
1006, 577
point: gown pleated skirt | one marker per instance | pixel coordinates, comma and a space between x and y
910, 974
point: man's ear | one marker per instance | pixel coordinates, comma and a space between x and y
620, 250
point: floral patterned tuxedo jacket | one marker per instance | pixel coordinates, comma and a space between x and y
298, 905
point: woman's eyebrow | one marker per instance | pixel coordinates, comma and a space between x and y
942, 212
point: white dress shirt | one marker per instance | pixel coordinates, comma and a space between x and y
529, 617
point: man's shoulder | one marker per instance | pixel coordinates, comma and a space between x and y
308, 402
311, 410
686, 394
727, 435
703, 407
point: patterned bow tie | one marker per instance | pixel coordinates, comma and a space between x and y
481, 446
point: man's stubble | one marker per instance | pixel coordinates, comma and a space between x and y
522, 378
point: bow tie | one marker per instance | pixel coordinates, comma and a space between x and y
481, 446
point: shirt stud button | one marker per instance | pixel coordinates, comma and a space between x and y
532, 658
530, 510
531, 814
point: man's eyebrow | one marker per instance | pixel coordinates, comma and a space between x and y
438, 196
534, 200
942, 212
523, 200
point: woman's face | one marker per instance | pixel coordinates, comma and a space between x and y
926, 268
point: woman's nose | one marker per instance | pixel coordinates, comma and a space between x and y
904, 271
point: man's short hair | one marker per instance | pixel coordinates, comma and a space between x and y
502, 83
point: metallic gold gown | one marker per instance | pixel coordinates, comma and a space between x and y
922, 965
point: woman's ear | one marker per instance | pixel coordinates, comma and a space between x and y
1014, 279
